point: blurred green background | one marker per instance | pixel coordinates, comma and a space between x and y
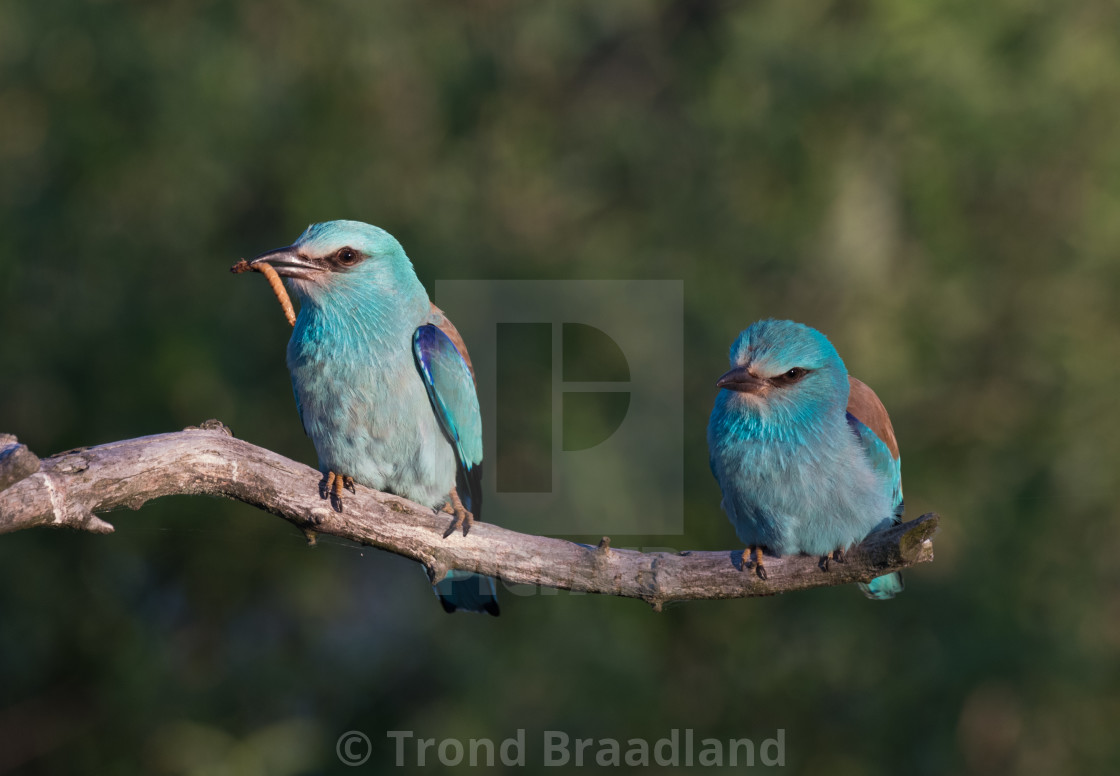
934, 185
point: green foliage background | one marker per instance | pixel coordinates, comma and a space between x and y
935, 185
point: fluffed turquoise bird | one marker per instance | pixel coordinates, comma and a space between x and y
383, 382
805, 454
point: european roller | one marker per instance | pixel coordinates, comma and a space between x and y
804, 453
383, 382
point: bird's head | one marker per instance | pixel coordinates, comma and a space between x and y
341, 260
785, 370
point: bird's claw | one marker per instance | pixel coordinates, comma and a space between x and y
826, 560
331, 487
463, 518
756, 564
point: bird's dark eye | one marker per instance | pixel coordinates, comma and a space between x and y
348, 257
793, 375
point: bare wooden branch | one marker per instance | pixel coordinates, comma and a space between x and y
70, 488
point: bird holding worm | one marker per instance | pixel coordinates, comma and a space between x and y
382, 381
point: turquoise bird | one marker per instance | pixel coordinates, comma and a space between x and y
805, 454
383, 382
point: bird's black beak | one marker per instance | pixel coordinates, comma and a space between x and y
290, 264
741, 380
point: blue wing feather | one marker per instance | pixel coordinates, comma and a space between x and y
884, 464
450, 387
890, 468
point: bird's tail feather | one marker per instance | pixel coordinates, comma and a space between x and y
467, 591
883, 588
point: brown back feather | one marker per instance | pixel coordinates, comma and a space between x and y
865, 406
447, 327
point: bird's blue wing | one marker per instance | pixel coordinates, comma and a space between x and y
884, 464
450, 384
871, 424
455, 403
882, 461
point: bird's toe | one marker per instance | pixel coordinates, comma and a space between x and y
826, 560
325, 485
463, 518
746, 562
330, 487
759, 568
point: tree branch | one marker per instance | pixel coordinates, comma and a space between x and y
69, 488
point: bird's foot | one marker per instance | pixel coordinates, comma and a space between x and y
331, 487
463, 518
756, 564
825, 562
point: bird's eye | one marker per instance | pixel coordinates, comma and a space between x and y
347, 257
793, 375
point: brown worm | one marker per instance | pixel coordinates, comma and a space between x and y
274, 281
